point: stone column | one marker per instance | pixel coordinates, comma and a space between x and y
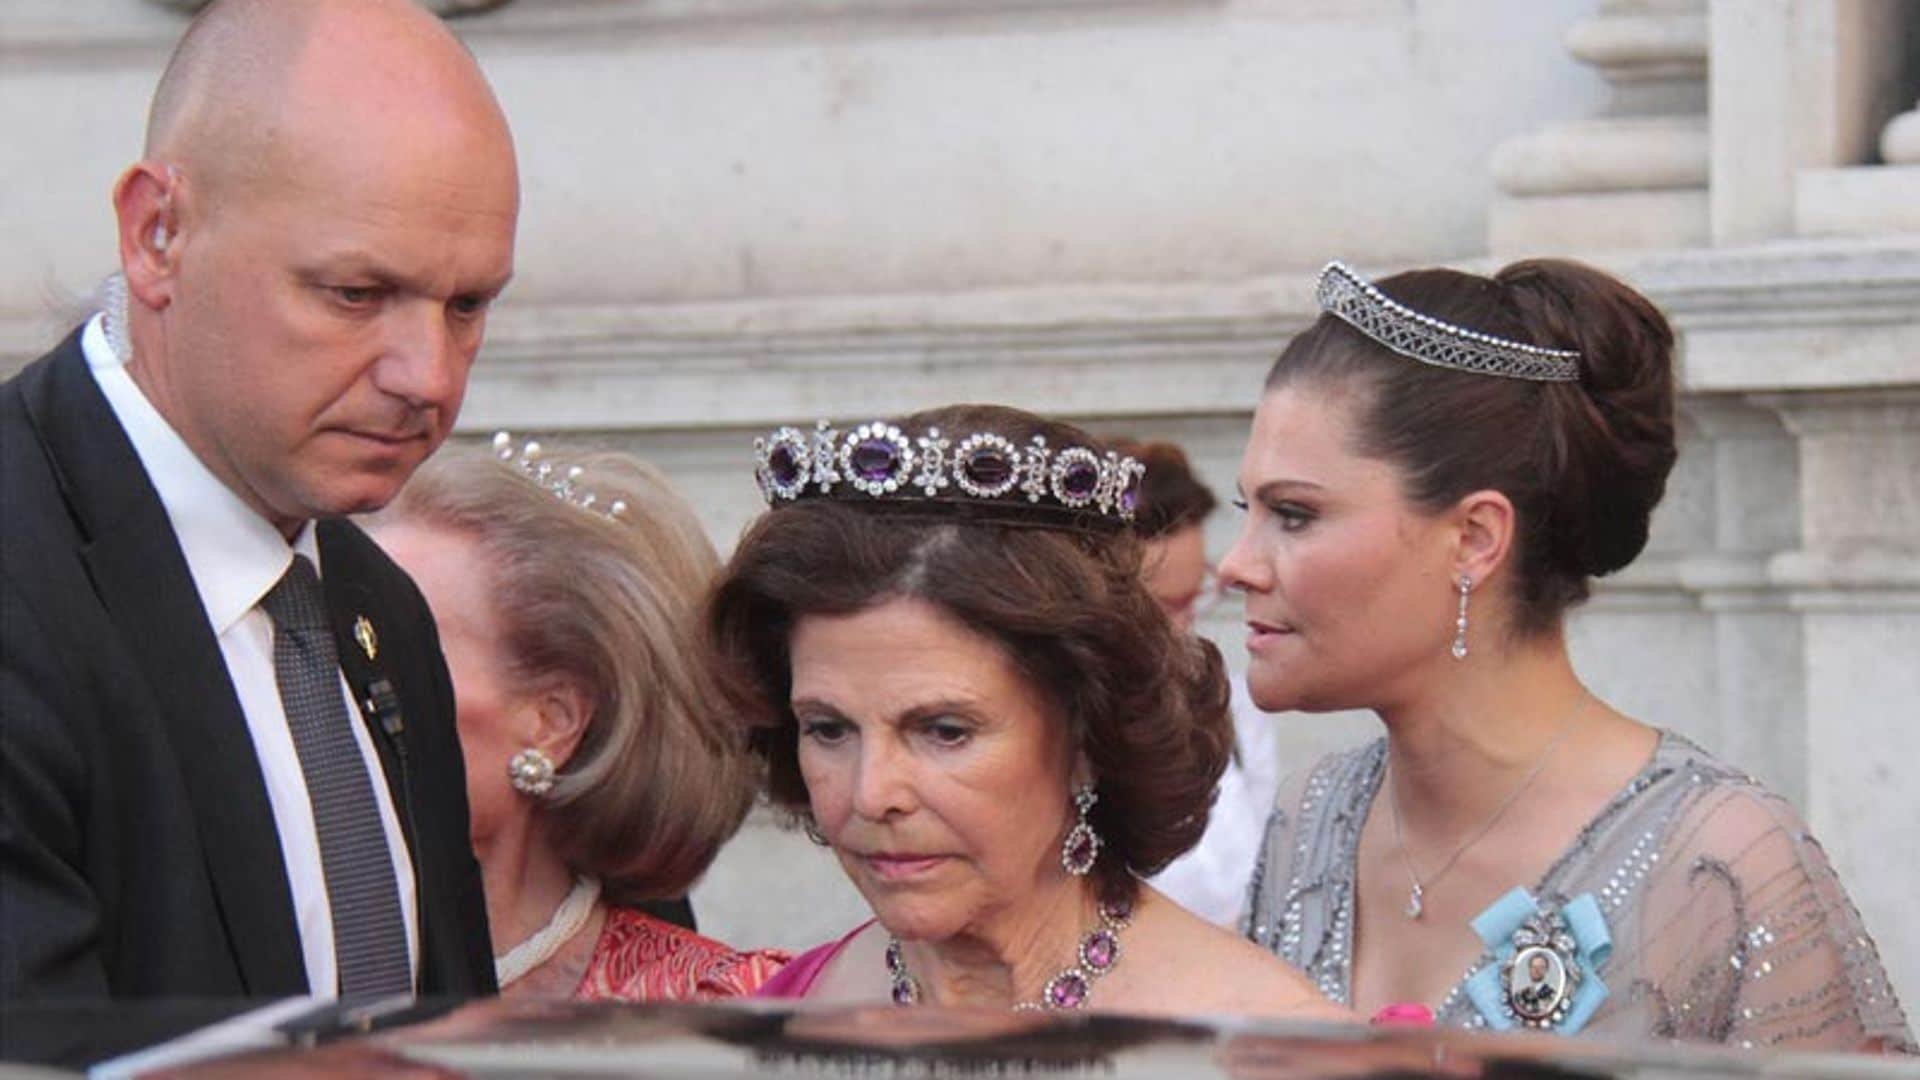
1634, 177
1801, 93
1856, 582
1760, 693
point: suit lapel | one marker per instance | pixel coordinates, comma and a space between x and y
143, 582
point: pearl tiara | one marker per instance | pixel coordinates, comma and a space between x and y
1355, 301
981, 475
563, 484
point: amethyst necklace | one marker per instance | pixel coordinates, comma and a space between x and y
1099, 953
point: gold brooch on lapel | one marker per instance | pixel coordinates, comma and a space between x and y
363, 633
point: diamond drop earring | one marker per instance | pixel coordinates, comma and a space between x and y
1465, 585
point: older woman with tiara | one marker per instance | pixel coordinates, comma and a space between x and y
961, 686
1438, 468
601, 770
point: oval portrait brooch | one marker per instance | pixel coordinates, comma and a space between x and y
1545, 968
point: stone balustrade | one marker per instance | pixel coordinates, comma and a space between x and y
1868, 200
1634, 177
1900, 142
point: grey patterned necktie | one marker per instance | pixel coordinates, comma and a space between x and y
369, 935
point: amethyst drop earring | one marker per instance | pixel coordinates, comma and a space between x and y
1081, 849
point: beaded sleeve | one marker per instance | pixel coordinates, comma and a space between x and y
1745, 935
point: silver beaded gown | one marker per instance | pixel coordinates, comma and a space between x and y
1727, 922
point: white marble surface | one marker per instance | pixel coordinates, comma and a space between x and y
1864, 200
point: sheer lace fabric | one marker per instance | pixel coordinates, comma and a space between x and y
1728, 923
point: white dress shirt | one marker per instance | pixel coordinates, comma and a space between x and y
236, 556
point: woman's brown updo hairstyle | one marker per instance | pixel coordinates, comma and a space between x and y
1584, 463
1146, 704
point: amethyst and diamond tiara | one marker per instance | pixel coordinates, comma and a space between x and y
880, 460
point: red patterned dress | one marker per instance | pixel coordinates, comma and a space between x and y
641, 958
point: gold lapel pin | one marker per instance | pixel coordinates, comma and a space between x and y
363, 633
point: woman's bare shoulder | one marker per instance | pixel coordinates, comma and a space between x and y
1182, 964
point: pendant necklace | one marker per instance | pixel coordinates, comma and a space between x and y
1416, 896
1099, 953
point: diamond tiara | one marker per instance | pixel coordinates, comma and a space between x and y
1355, 301
563, 484
982, 469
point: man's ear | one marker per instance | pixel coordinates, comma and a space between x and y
144, 204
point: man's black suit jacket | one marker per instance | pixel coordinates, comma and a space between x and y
138, 855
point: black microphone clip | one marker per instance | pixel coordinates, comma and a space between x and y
384, 703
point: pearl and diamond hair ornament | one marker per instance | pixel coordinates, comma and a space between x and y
563, 484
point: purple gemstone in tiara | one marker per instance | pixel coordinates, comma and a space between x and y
784, 464
1076, 476
986, 466
989, 468
1130, 493
1080, 479
874, 460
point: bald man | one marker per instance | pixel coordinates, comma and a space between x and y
228, 765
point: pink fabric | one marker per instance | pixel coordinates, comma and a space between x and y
797, 978
641, 958
1404, 1014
